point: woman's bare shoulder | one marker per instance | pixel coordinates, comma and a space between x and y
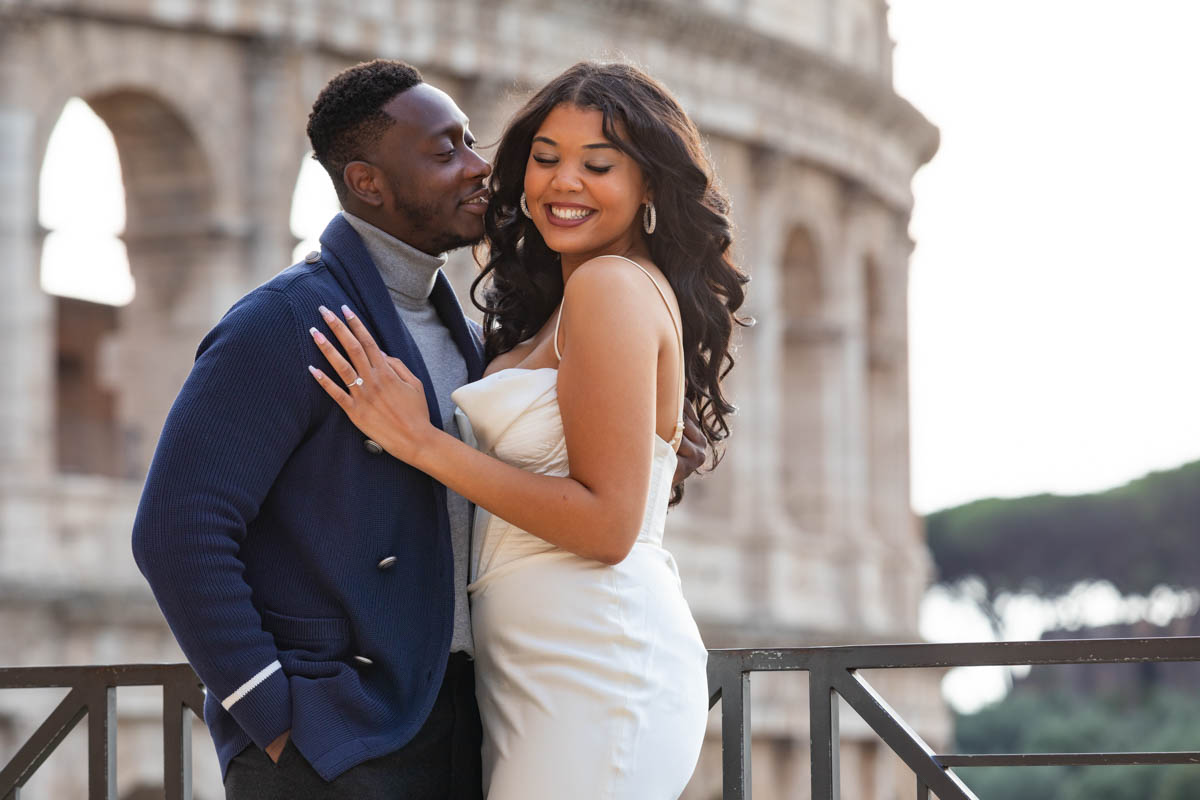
613, 278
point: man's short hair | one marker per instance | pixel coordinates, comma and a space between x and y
348, 118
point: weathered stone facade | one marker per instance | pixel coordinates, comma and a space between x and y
804, 534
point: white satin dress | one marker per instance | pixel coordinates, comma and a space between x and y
590, 678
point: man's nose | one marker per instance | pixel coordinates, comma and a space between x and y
478, 166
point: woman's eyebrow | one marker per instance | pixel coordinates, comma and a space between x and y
596, 146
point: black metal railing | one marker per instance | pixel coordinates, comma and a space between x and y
93, 694
833, 672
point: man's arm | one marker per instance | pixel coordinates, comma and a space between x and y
692, 449
239, 416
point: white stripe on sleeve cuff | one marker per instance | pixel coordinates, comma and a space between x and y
249, 685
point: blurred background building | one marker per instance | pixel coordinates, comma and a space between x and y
803, 536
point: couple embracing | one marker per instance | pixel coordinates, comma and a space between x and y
361, 521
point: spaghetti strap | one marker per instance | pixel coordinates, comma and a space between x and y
678, 437
557, 323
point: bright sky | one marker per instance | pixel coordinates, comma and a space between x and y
83, 207
1056, 276
1056, 272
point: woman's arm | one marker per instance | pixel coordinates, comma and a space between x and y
607, 384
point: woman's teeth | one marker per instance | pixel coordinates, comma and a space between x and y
570, 213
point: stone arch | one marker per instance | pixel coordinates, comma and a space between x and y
75, 231
207, 154
162, 110
168, 178
804, 383
173, 241
94, 60
116, 369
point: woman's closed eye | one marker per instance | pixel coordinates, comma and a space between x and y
599, 169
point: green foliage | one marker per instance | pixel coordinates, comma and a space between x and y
1031, 721
1180, 783
1015, 783
1138, 536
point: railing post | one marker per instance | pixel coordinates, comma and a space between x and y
102, 740
922, 790
735, 737
729, 682
177, 742
824, 735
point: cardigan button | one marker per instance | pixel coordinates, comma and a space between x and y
387, 563
366, 662
373, 447
313, 257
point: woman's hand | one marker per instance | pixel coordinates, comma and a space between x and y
381, 397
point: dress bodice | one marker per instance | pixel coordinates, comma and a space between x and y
513, 415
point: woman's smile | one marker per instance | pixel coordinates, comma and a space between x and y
568, 215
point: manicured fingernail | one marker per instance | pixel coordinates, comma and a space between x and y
325, 312
316, 373
347, 313
318, 337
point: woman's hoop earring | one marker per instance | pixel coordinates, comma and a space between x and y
649, 219
525, 206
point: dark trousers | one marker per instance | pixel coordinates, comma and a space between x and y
440, 763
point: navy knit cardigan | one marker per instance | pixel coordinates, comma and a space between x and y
267, 529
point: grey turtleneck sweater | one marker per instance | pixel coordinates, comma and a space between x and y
409, 275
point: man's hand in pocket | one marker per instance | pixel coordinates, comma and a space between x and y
275, 748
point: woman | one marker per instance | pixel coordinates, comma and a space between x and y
611, 291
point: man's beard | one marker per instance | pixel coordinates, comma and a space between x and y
454, 242
424, 220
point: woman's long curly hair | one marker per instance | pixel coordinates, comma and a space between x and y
690, 243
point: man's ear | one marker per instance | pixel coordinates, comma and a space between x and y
361, 181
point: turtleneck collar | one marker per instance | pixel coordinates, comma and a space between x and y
408, 273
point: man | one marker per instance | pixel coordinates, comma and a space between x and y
317, 585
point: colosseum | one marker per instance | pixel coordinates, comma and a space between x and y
803, 536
